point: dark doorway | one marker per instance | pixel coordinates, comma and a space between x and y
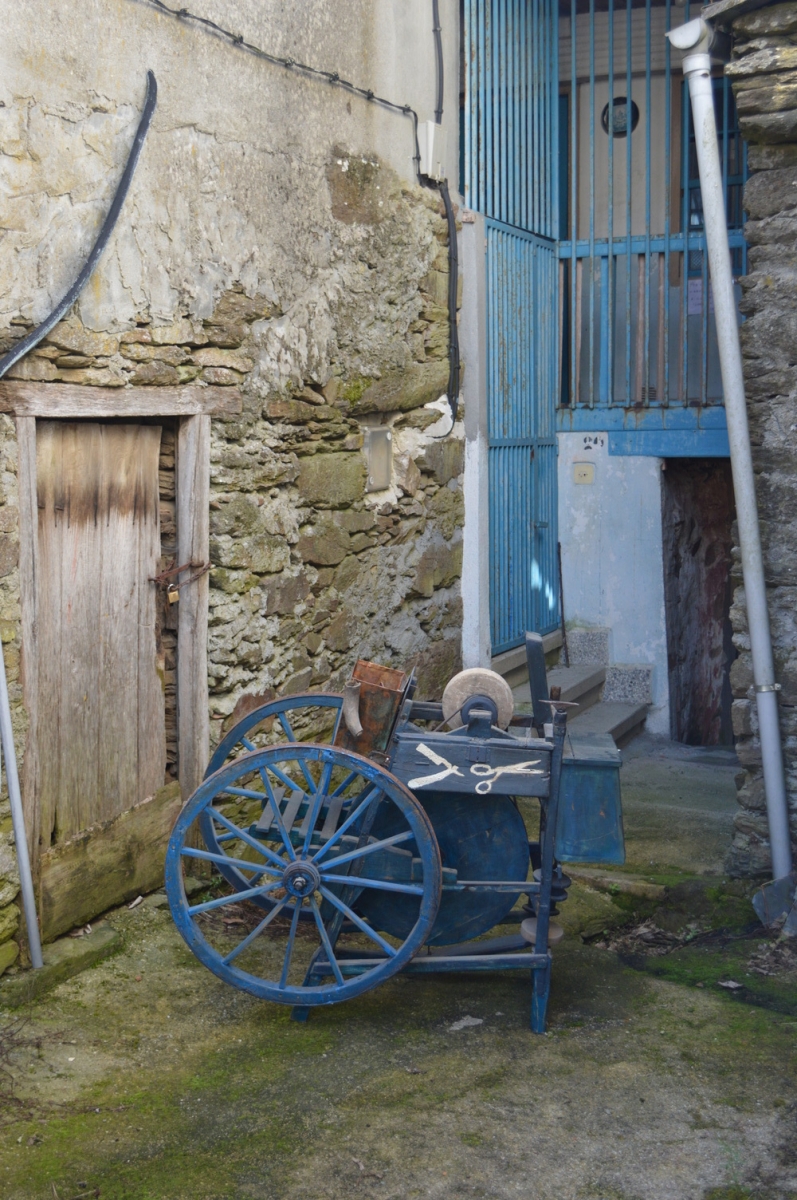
697, 514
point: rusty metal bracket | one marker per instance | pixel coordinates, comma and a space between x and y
172, 573
35, 336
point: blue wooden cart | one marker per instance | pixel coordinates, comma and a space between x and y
390, 842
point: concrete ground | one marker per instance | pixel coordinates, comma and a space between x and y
146, 1078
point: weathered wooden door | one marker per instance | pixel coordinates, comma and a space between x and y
101, 732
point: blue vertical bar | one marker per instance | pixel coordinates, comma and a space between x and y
646, 365
467, 149
500, 131
591, 203
574, 316
603, 375
665, 399
685, 126
484, 73
610, 218
522, 147
628, 163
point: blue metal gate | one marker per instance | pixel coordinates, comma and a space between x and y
511, 144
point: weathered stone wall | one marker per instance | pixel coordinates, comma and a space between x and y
764, 75
271, 241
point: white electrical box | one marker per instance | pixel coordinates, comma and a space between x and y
584, 472
432, 145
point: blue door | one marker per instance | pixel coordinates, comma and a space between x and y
511, 140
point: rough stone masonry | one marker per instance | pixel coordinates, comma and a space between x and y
764, 76
313, 278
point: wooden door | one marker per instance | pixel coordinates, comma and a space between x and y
100, 725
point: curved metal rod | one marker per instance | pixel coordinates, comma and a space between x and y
36, 335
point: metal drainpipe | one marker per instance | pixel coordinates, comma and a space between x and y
695, 38
18, 821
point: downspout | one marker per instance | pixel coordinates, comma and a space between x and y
695, 38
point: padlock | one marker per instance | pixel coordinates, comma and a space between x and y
172, 593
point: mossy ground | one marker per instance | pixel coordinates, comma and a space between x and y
154, 1080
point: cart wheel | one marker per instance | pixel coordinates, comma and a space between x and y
307, 716
311, 852
278, 722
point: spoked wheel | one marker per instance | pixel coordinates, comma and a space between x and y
285, 720
307, 716
312, 852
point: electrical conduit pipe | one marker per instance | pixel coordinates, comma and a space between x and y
694, 39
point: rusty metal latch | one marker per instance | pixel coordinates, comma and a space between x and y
168, 578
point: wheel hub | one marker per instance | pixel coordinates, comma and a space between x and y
300, 878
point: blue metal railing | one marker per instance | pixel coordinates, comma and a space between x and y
634, 270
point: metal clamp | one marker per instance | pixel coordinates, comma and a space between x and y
767, 687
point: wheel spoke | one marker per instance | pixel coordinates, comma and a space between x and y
323, 784
246, 793
256, 932
290, 784
358, 921
361, 851
342, 787
337, 725
246, 838
381, 885
224, 859
288, 731
333, 962
236, 898
347, 824
247, 744
278, 821
289, 948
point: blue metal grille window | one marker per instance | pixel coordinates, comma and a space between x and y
639, 331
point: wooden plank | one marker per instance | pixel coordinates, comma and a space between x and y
100, 701
107, 864
68, 400
193, 534
28, 546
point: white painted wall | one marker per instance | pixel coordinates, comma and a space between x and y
612, 563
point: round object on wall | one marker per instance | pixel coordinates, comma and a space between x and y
478, 681
620, 118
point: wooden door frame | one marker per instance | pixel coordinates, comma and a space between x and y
194, 406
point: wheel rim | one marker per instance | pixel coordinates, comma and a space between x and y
316, 859
240, 740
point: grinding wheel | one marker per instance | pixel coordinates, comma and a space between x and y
478, 681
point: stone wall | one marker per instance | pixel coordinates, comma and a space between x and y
764, 75
258, 248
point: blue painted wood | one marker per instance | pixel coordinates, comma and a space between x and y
376, 859
481, 838
672, 443
522, 382
590, 822
310, 871
609, 420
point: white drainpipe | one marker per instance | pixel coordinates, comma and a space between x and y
695, 39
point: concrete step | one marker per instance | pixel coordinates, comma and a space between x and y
580, 685
512, 663
621, 720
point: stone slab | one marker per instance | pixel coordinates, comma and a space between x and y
614, 718
629, 885
62, 959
